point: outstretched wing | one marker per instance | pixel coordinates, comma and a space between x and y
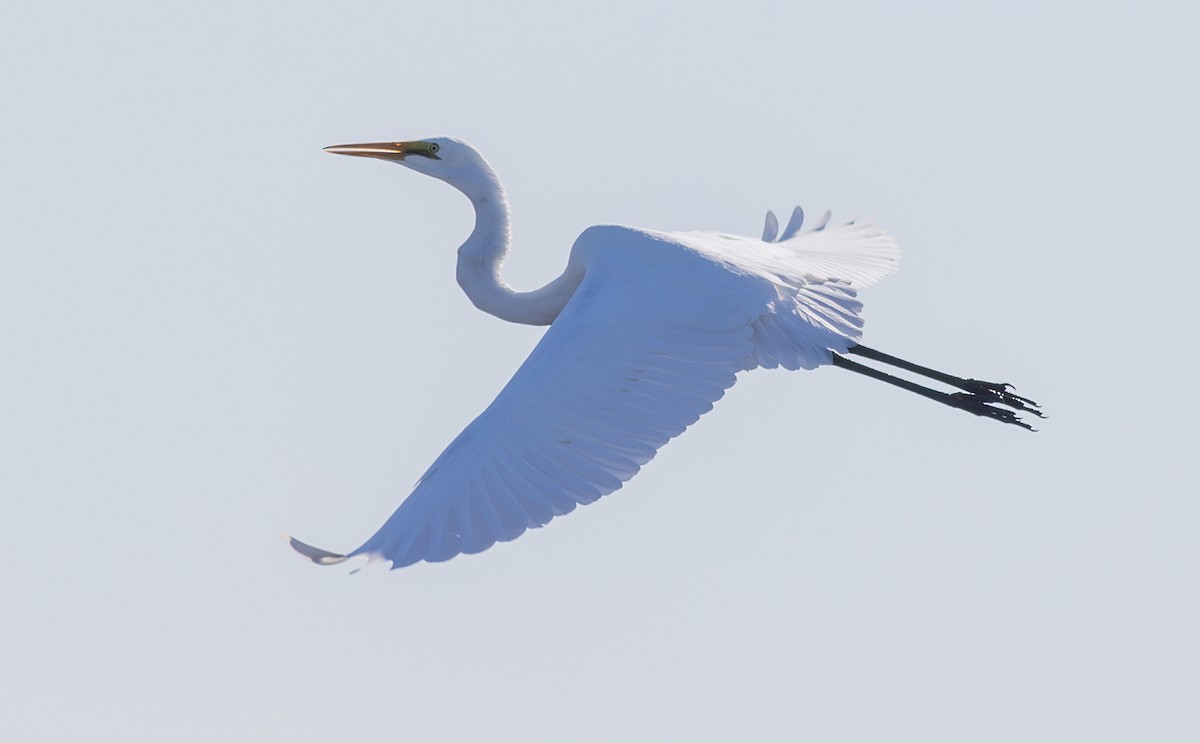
634, 358
815, 274
855, 253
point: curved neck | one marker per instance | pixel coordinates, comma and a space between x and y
479, 260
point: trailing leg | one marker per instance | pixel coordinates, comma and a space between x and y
998, 392
977, 397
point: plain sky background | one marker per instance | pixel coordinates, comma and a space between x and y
211, 332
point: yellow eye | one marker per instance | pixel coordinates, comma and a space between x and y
434, 147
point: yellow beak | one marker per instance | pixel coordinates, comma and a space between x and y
384, 150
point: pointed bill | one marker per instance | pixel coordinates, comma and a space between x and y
387, 150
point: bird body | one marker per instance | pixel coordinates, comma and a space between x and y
647, 330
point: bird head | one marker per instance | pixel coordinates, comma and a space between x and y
447, 159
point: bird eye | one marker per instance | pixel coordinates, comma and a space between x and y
434, 147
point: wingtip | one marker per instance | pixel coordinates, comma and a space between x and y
315, 555
794, 224
770, 228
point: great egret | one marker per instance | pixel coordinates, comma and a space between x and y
647, 330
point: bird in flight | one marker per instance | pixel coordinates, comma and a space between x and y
646, 331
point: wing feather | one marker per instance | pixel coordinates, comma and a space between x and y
770, 228
524, 490
793, 226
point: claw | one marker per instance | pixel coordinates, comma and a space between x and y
999, 392
979, 404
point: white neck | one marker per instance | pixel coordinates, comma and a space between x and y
480, 257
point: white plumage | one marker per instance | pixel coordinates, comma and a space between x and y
648, 330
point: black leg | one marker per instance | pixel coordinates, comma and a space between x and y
973, 400
999, 392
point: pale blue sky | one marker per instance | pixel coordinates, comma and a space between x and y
213, 333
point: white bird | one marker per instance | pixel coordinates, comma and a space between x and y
647, 330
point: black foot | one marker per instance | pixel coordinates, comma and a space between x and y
981, 404
1000, 392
